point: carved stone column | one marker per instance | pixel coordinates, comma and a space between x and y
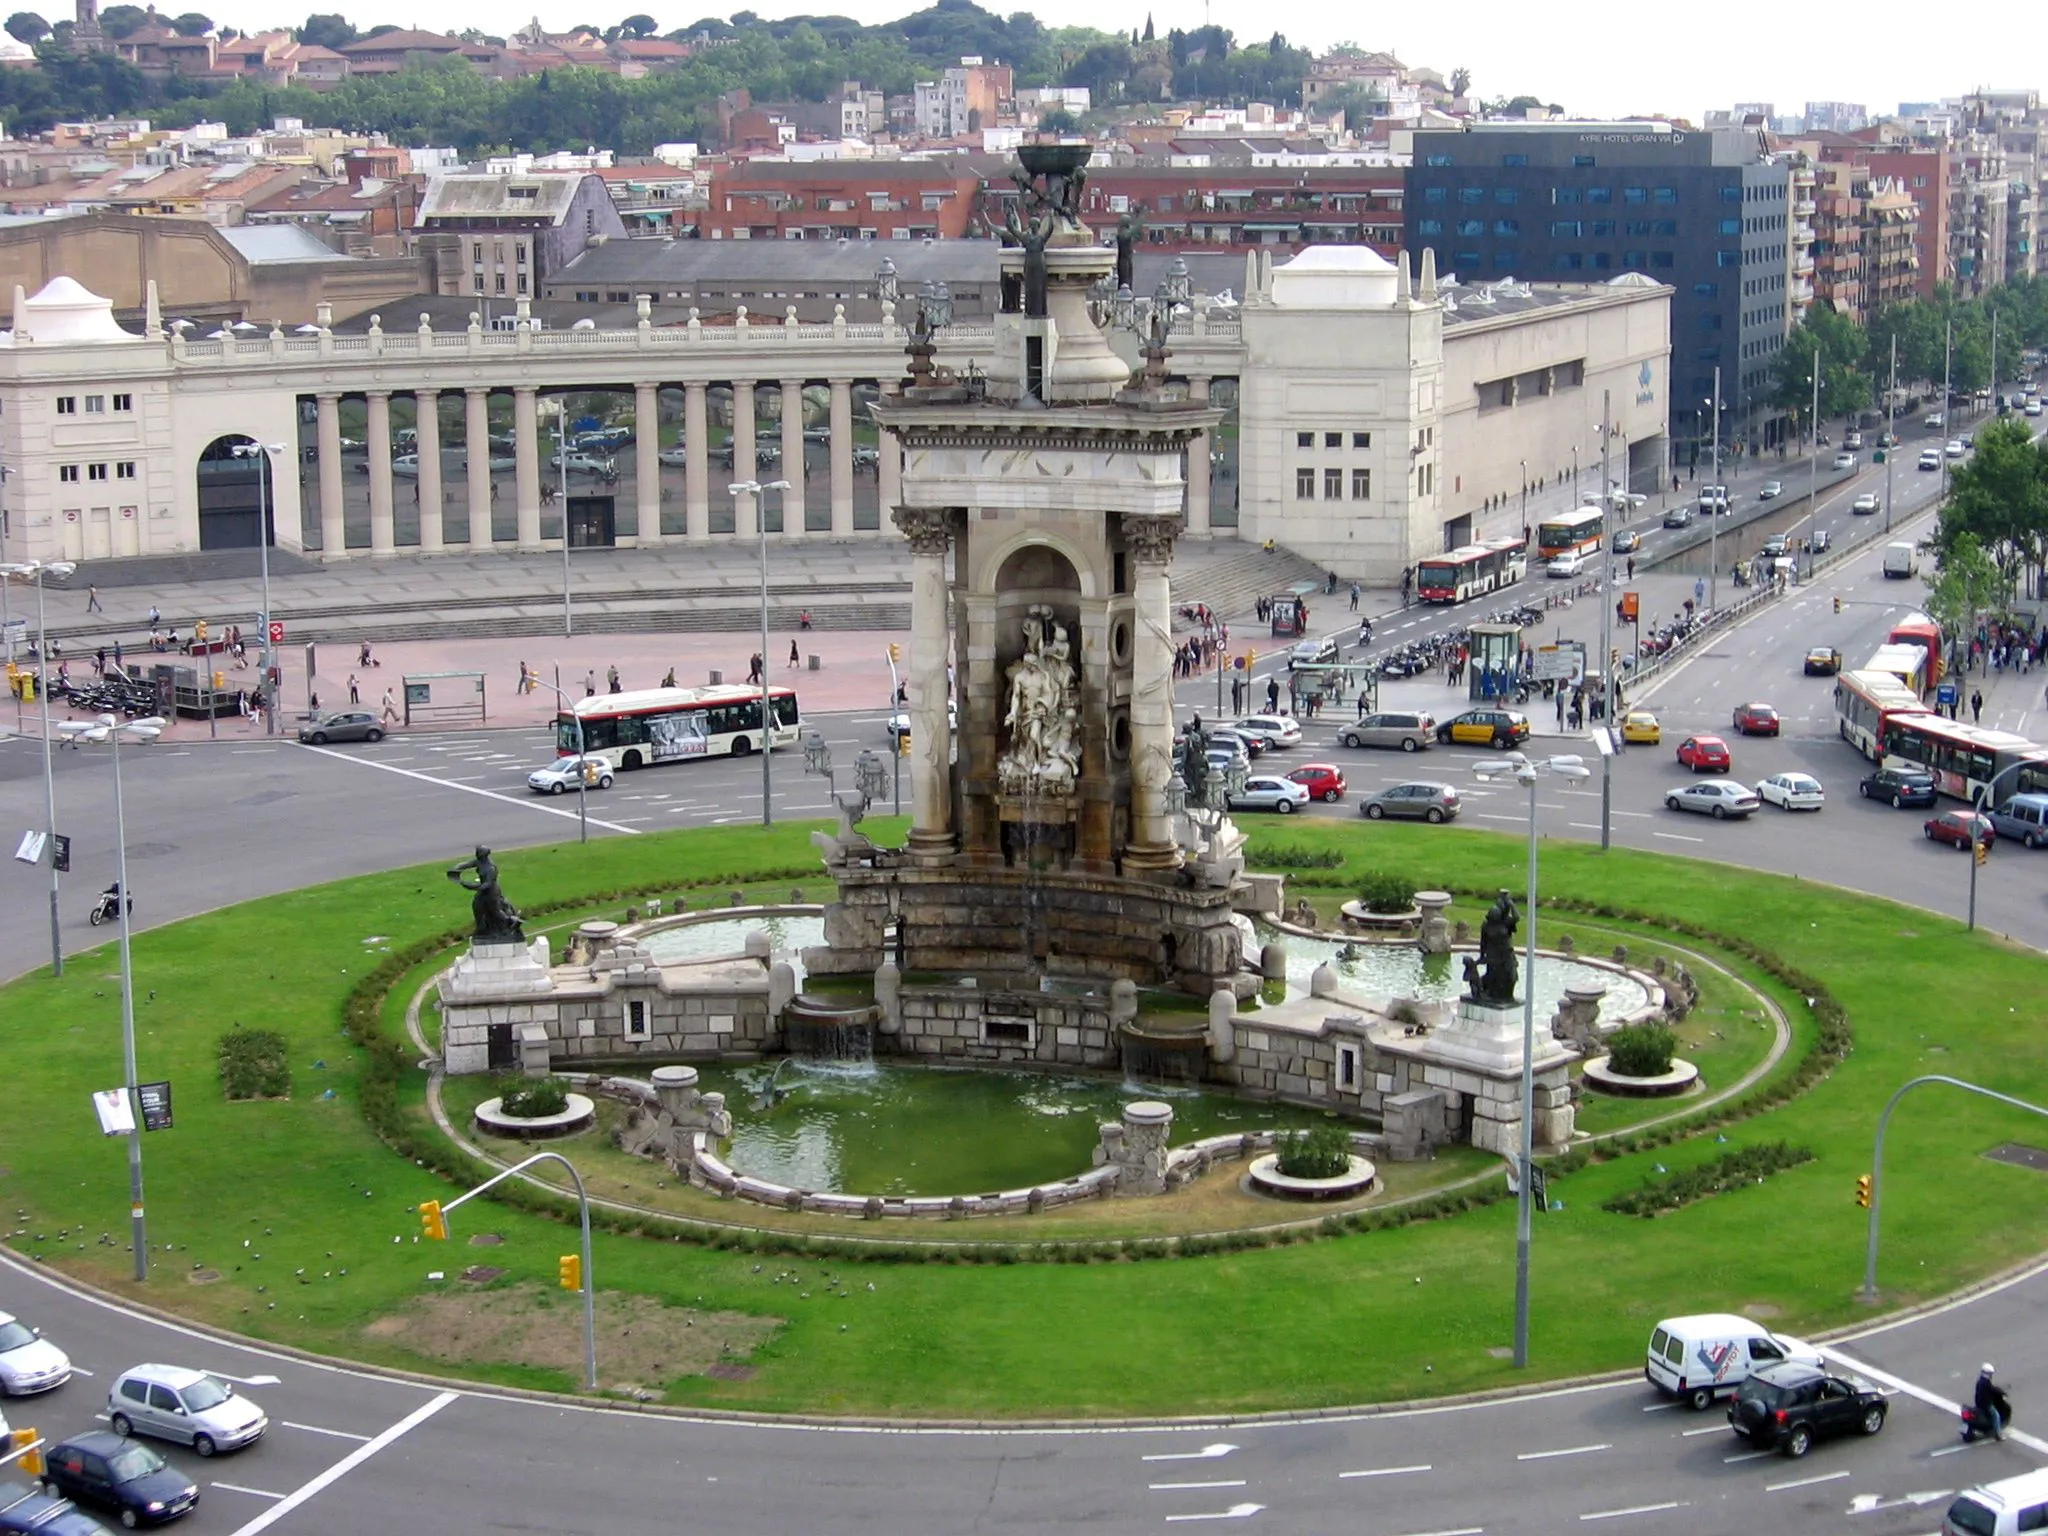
427, 422
476, 448
1198, 482
889, 476
378, 430
646, 466
929, 531
793, 516
333, 489
526, 463
745, 509
841, 451
1150, 542
696, 463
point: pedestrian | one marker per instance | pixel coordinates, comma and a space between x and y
525, 681
1354, 597
611, 679
668, 678
1560, 709
99, 661
363, 659
1976, 705
754, 665
313, 703
1272, 695
117, 656
1631, 567
92, 600
590, 682
354, 694
155, 615
1361, 703
803, 620
795, 659
390, 707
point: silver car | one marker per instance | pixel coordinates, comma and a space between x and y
1719, 798
1262, 792
1420, 801
28, 1361
173, 1402
560, 776
1406, 731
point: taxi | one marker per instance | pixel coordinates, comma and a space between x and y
1640, 726
1501, 728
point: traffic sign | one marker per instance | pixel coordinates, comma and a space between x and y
277, 631
156, 1105
1947, 693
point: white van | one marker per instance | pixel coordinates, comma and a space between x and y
2003, 1508
1697, 1359
1898, 560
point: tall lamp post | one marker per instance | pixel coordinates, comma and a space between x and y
582, 758
1526, 771
35, 571
273, 677
111, 729
1611, 691
754, 488
1892, 448
1813, 467
559, 409
1720, 493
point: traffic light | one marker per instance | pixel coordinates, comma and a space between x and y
895, 653
1863, 1190
903, 744
1983, 847
432, 1223
25, 1449
220, 681
570, 1268
1838, 605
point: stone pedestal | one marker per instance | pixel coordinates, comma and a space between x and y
1475, 1059
1577, 1021
1434, 936
1137, 1147
496, 983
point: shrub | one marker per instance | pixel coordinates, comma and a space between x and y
1321, 1152
1731, 1170
254, 1064
1640, 1050
1290, 857
536, 1099
1385, 891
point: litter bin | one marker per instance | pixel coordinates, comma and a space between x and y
717, 677
817, 663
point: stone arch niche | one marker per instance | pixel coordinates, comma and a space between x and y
237, 507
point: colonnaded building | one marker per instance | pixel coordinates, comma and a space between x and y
1372, 415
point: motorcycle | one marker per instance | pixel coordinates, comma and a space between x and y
109, 909
1974, 1430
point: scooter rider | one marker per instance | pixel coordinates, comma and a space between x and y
1993, 1406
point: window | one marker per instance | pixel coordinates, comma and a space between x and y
1333, 485
124, 402
1635, 261
1304, 485
1304, 439
1603, 229
1361, 439
95, 405
67, 405
68, 473
501, 282
1347, 1066
1710, 322
476, 250
1731, 226
1570, 261
1425, 478
1471, 194
1665, 195
1728, 258
1563, 196
1464, 260
1435, 194
96, 472
1566, 229
1599, 194
1471, 227
1602, 260
1706, 290
1663, 259
1438, 160
1731, 194
1333, 439
1506, 195
1506, 260
1507, 226
1514, 159
1634, 195
1429, 226
1582, 160
125, 470
1361, 485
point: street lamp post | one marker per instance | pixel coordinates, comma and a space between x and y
265, 474
754, 488
582, 757
35, 571
1611, 688
1526, 771
1813, 467
1892, 448
1714, 513
110, 729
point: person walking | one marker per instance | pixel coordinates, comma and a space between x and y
590, 682
355, 695
611, 679
525, 681
1272, 695
795, 656
1560, 709
117, 656
92, 600
1976, 705
1354, 597
754, 665
390, 715
1631, 567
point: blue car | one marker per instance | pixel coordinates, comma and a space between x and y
23, 1510
109, 1472
1899, 786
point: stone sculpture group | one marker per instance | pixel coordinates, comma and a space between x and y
1044, 717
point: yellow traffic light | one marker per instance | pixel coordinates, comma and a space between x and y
1983, 846
903, 744
26, 1445
1838, 605
432, 1223
895, 653
570, 1268
1863, 1190
220, 681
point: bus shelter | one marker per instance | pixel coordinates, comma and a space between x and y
1494, 663
444, 698
1290, 611
1331, 684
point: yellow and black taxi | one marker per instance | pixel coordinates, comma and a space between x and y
1501, 728
1639, 726
1823, 661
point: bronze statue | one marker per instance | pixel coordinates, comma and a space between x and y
1128, 228
497, 920
1194, 761
1496, 983
1031, 231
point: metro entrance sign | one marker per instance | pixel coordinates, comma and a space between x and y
277, 631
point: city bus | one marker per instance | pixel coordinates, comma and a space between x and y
669, 725
1864, 701
1918, 629
1471, 570
1576, 532
1908, 663
1965, 759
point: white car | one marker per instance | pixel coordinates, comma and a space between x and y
899, 723
1274, 730
1570, 563
1770, 490
171, 1402
2031, 408
28, 1361
677, 457
1934, 420
1718, 798
1792, 792
560, 776
1845, 460
1864, 505
1930, 458
1955, 448
1265, 793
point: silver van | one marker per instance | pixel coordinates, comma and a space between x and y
2024, 819
2004, 1508
1409, 731
173, 1402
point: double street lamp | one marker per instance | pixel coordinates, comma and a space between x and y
754, 488
34, 571
1526, 771
273, 676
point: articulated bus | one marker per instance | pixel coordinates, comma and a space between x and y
1570, 532
1918, 629
1864, 701
670, 725
1908, 663
1471, 570
1965, 759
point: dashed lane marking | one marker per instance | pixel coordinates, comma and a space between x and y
1633, 1509
532, 804
1570, 1450
316, 1429
258, 1493
1805, 1482
1388, 1471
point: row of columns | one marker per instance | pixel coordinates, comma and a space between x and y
531, 460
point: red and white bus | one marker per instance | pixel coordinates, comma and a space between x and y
1965, 759
1918, 629
1471, 570
1864, 701
1575, 532
1908, 663
671, 725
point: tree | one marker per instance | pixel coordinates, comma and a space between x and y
1059, 120
327, 29
638, 26
1998, 500
1840, 346
1148, 27
1360, 104
1966, 582
119, 21
27, 27
1461, 81
191, 24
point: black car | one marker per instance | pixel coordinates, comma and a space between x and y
129, 1478
24, 1511
1901, 786
1788, 1407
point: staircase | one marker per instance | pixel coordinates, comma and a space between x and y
1231, 576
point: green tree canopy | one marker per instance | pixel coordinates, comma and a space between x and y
119, 21
1839, 344
1965, 582
191, 24
27, 27
1998, 499
327, 29
638, 25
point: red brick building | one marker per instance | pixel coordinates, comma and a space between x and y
1923, 175
841, 200
1202, 208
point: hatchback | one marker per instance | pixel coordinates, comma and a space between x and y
1678, 517
1792, 792
1954, 448
1823, 661
1901, 786
1704, 754
345, 725
1273, 730
28, 1361
1770, 490
1819, 541
1569, 563
1719, 799
1639, 727
1323, 781
1312, 653
1788, 1407
1960, 829
1930, 458
1777, 546
1250, 744
1263, 792
1501, 728
1852, 439
563, 774
1626, 541
1406, 731
1845, 460
24, 1511
1864, 505
1419, 801
174, 1402
115, 1473
1756, 720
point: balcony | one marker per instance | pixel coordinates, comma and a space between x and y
1803, 208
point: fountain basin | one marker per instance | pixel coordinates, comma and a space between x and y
1265, 1176
580, 1114
1602, 1078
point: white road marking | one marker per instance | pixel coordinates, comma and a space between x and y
1232, 1482
1570, 1450
1387, 1471
1659, 1407
1633, 1509
1463, 1530
1711, 1429
1678, 837
265, 1380
1235, 1512
1806, 1482
355, 1458
1746, 1456
260, 1493
316, 1429
1932, 1399
532, 804
1206, 1453
79, 1370
1870, 1503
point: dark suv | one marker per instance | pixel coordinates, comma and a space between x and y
1901, 786
1788, 1407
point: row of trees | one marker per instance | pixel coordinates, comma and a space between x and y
1994, 527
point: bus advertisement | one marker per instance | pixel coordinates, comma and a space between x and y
1471, 571
1965, 759
1570, 533
672, 725
1864, 701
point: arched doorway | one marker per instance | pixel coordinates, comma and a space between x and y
234, 496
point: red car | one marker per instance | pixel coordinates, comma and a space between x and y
1756, 720
1959, 829
1325, 781
1705, 754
